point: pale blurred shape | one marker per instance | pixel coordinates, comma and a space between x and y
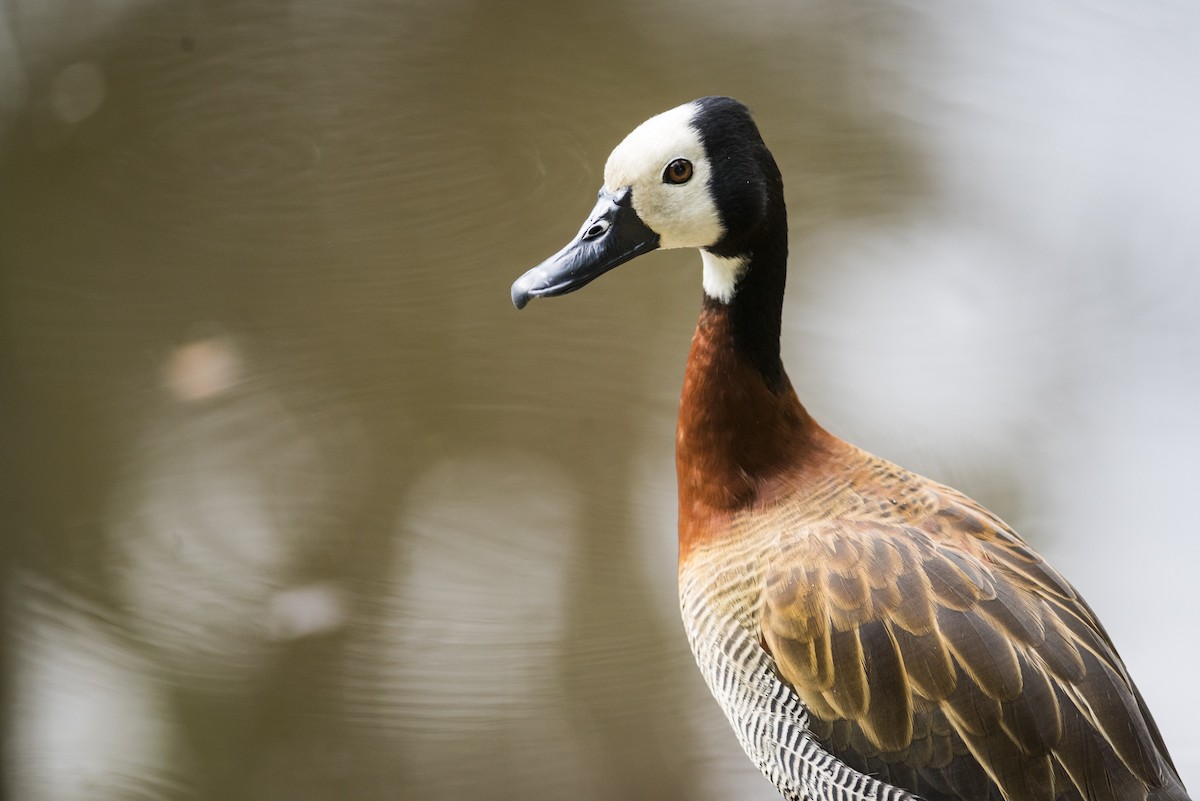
483, 585
1128, 534
656, 516
1065, 129
463, 661
306, 611
221, 506
203, 369
719, 758
919, 341
77, 92
86, 719
202, 559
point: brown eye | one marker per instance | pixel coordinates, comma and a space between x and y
678, 171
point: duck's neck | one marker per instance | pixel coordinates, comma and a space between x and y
742, 431
755, 309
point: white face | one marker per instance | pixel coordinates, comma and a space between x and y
683, 215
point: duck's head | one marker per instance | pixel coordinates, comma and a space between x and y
697, 176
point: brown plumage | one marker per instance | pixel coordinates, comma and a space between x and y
933, 648
870, 633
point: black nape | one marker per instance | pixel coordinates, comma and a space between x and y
747, 188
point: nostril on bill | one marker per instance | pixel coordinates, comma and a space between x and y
596, 229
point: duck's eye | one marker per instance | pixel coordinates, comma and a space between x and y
678, 171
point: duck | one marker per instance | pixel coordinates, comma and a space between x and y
868, 632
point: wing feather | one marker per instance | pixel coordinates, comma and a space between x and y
848, 693
926, 661
986, 655
889, 722
939, 652
1033, 719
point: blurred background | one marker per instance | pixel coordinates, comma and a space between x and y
298, 507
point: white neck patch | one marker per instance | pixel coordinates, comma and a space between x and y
721, 275
683, 215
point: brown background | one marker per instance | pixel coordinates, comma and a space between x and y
299, 507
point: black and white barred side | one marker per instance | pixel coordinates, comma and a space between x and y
720, 605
